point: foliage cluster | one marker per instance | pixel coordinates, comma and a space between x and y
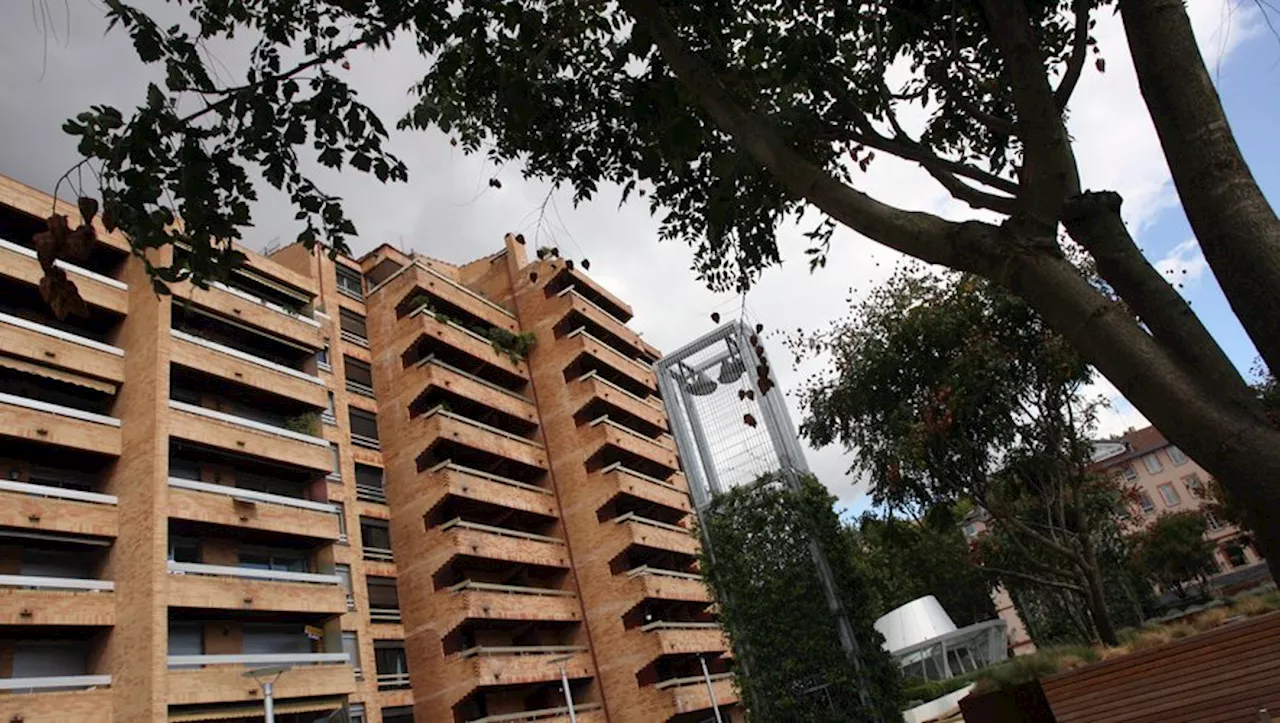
791, 666
1173, 551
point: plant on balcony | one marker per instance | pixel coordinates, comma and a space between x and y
419, 301
307, 423
772, 604
515, 346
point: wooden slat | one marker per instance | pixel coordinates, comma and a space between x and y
1224, 675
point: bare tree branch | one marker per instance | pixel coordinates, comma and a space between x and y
1079, 52
1061, 584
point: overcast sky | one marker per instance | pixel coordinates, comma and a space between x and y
447, 209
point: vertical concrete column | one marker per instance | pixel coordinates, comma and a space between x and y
138, 645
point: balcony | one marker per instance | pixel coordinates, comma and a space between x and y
416, 286
55, 347
459, 481
471, 600
636, 376
616, 480
244, 508
433, 376
226, 587
593, 390
583, 713
658, 584
55, 509
56, 698
459, 538
39, 421
19, 263
240, 367
603, 432
586, 287
517, 665
246, 308
690, 694
678, 638
34, 600
222, 677
470, 344
246, 436
438, 425
576, 310
658, 535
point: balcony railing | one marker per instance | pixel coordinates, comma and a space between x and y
384, 615
464, 524
33, 582
619, 467
605, 420
582, 331
252, 495
646, 570
571, 291
247, 423
419, 264
69, 268
378, 554
692, 680
432, 360
484, 650
449, 465
363, 441
249, 573
187, 661
263, 302
59, 492
536, 715
468, 585
358, 388
440, 410
633, 517
355, 338
58, 409
671, 625
54, 683
423, 310
371, 493
245, 356
392, 681
651, 401
50, 331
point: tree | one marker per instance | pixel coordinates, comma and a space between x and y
734, 118
950, 389
791, 664
1173, 551
903, 560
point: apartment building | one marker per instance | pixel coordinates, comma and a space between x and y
350, 478
1162, 480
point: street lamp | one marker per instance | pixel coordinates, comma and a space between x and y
564, 684
261, 674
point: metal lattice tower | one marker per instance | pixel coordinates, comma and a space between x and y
729, 433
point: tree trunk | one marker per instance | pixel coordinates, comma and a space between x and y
1097, 598
1237, 228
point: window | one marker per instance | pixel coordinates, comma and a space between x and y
181, 468
344, 574
359, 376
1152, 462
322, 359
186, 638
1170, 495
384, 600
342, 521
1144, 500
1193, 484
375, 533
1234, 552
328, 415
349, 282
335, 472
370, 485
355, 713
1177, 457
364, 428
274, 639
1211, 522
970, 529
1129, 472
184, 549
48, 659
280, 560
353, 327
351, 646
392, 664
56, 563
269, 484
398, 714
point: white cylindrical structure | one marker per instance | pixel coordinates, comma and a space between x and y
911, 624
